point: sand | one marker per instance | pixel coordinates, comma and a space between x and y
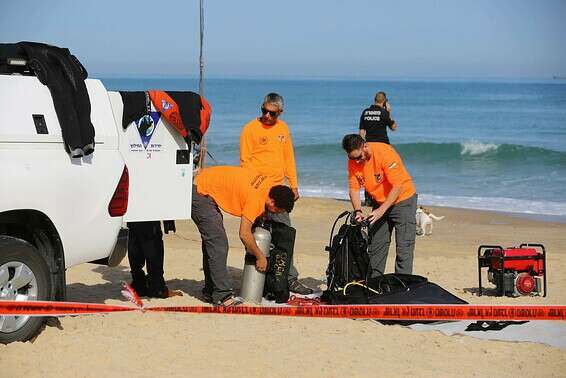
157, 344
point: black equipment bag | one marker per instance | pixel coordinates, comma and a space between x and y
279, 261
348, 259
349, 278
394, 288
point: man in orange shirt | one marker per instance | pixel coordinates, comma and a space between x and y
241, 192
379, 169
266, 146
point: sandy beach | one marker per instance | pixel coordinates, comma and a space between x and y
136, 344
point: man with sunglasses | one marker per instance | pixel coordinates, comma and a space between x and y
379, 169
266, 146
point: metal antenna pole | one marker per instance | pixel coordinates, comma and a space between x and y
202, 153
201, 58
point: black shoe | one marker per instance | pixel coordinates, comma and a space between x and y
88, 149
76, 152
140, 288
206, 295
296, 287
162, 292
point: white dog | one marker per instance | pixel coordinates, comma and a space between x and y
424, 221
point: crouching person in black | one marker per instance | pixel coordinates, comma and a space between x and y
145, 247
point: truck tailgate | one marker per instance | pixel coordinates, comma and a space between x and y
159, 165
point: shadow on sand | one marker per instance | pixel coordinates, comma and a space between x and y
98, 293
486, 292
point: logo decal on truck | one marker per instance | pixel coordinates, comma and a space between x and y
165, 105
146, 127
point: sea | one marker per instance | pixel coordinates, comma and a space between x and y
480, 144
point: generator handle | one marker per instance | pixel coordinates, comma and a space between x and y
543, 261
480, 249
523, 245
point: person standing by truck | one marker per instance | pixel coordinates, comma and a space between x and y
145, 247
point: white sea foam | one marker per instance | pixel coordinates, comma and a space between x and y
477, 148
508, 205
328, 192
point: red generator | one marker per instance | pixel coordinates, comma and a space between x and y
515, 271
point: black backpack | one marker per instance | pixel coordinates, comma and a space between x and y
349, 278
348, 259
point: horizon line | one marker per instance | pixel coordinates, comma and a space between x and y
550, 78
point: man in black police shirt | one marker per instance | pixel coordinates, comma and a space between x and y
375, 120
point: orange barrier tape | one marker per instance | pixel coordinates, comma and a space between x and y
382, 312
39, 308
390, 312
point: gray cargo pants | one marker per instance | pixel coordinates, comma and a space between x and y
208, 218
400, 216
286, 220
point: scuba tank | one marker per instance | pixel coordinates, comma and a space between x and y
252, 279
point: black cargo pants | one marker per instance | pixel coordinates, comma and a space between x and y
145, 247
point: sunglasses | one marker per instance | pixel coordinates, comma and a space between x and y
358, 158
264, 111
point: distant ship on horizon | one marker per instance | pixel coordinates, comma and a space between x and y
559, 77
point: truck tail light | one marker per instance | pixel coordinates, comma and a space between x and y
119, 203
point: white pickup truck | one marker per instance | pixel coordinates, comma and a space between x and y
57, 211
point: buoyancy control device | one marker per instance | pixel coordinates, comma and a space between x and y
349, 278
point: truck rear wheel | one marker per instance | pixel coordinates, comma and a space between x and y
24, 276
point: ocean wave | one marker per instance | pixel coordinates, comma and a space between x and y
477, 148
503, 204
442, 152
509, 205
512, 156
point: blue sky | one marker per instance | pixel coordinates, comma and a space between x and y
355, 39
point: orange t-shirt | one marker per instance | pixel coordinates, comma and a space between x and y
380, 173
269, 150
237, 191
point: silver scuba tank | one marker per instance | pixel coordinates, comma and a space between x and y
252, 279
